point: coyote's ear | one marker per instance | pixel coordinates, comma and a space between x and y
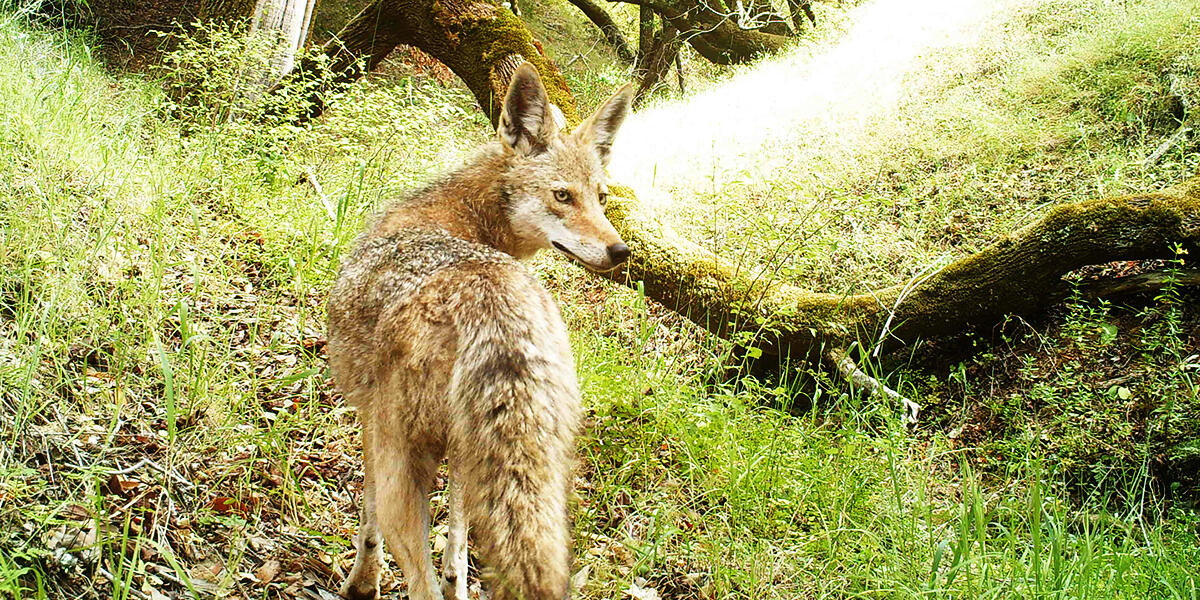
600, 128
526, 121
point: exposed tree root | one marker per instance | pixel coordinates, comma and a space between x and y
1155, 281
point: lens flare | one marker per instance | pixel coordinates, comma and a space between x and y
673, 151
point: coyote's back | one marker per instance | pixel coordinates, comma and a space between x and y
449, 347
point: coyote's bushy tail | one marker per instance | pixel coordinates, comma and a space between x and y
514, 393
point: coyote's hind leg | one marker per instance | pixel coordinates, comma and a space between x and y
454, 561
404, 477
363, 581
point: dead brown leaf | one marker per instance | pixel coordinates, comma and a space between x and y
224, 505
120, 486
268, 571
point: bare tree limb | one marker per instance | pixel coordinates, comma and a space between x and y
1179, 135
1155, 281
859, 380
608, 27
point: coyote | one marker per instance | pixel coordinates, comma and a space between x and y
449, 347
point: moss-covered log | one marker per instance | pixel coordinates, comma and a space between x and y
482, 42
1019, 274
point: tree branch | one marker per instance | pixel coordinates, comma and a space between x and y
1155, 281
712, 32
657, 5
608, 27
859, 380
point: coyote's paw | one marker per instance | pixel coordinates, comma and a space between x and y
359, 591
451, 590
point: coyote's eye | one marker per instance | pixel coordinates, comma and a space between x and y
603, 199
563, 196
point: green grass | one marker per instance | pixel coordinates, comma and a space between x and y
850, 178
166, 422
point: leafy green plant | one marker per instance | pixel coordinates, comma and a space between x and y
218, 72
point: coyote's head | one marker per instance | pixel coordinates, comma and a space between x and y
556, 187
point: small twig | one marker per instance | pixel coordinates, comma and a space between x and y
130, 469
330, 209
169, 575
132, 590
858, 379
1167, 145
146, 462
1104, 385
679, 71
135, 500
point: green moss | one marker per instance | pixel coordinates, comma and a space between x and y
503, 34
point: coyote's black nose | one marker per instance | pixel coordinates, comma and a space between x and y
618, 253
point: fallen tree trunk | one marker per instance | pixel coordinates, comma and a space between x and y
1019, 274
481, 42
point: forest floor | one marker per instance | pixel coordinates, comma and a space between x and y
168, 428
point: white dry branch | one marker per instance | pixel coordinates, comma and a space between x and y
860, 380
1179, 136
326, 201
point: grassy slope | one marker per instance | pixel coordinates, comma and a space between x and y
856, 175
161, 297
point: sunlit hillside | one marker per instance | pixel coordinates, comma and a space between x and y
827, 101
867, 158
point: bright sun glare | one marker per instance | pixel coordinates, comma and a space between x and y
671, 151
